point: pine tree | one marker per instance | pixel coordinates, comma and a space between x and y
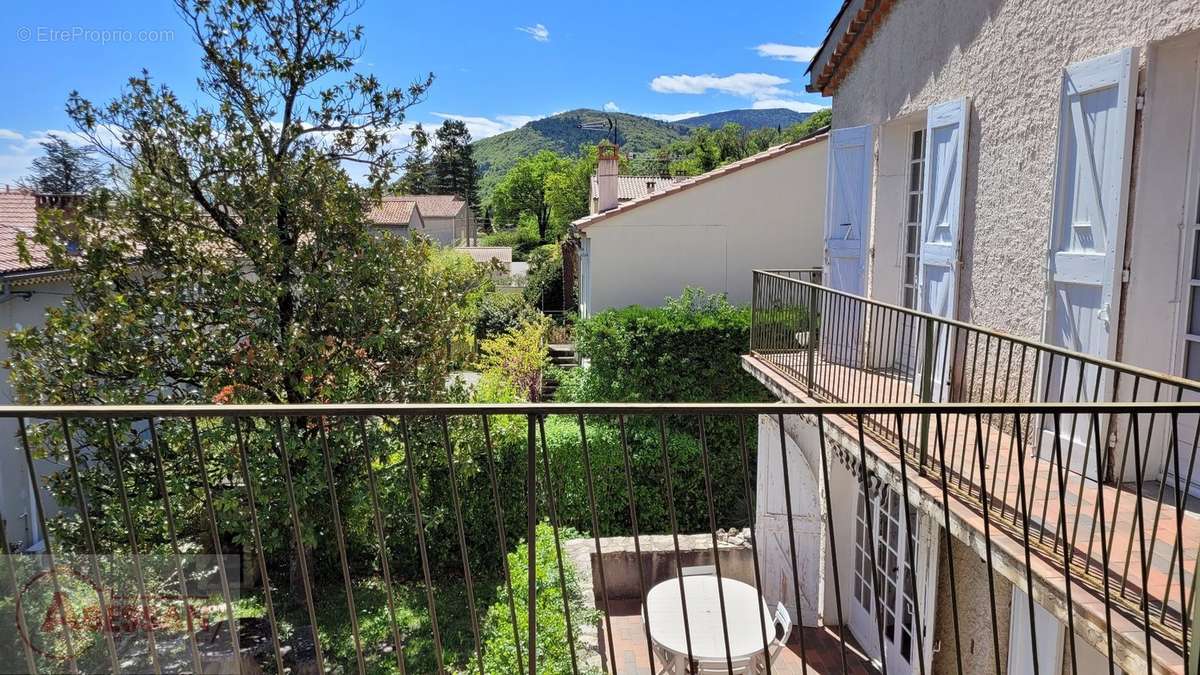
64, 169
418, 174
454, 169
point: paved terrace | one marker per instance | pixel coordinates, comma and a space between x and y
1074, 503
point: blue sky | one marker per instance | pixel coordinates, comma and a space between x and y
498, 65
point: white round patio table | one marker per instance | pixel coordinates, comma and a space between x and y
742, 608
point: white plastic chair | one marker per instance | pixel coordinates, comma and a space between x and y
783, 630
744, 664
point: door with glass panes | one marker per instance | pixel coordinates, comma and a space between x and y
888, 597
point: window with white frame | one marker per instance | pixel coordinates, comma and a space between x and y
912, 217
1191, 330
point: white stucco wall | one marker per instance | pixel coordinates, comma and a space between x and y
440, 230
15, 502
712, 234
1008, 56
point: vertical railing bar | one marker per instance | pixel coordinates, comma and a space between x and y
162, 486
787, 495
1118, 479
1070, 461
1067, 550
1041, 440
1017, 442
1083, 479
814, 334
502, 539
752, 513
1103, 517
1177, 549
670, 489
587, 468
896, 344
939, 435
876, 579
298, 531
918, 626
415, 493
377, 518
1141, 526
1000, 432
633, 521
837, 583
90, 540
552, 503
987, 541
202, 463
7, 554
462, 540
531, 523
712, 528
1158, 501
1141, 521
243, 464
340, 539
138, 572
1025, 547
845, 325
980, 455
1179, 505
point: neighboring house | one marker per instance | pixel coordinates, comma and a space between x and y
707, 231
447, 219
27, 290
399, 216
1033, 168
627, 188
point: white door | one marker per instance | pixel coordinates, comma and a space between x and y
1048, 632
847, 207
1087, 232
941, 229
901, 588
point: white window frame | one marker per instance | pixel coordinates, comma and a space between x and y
1188, 283
910, 225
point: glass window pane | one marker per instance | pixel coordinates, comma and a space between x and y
918, 144
912, 237
1194, 311
914, 208
1191, 367
914, 177
1196, 255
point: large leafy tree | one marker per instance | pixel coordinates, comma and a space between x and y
522, 191
454, 169
235, 263
64, 168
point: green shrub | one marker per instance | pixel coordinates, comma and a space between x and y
687, 350
553, 640
544, 285
513, 362
521, 239
499, 313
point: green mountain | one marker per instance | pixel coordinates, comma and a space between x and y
749, 119
561, 133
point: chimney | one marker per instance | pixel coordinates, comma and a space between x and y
606, 177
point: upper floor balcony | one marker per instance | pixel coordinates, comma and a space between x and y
1098, 502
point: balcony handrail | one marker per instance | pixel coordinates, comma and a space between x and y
1127, 368
274, 410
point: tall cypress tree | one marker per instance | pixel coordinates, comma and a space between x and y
454, 170
64, 169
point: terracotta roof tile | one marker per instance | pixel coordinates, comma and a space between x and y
434, 206
393, 211
632, 187
18, 214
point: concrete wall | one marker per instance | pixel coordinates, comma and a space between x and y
441, 230
712, 234
15, 500
1008, 55
974, 643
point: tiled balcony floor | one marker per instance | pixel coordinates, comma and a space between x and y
823, 656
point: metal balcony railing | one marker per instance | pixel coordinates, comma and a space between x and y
336, 507
837, 347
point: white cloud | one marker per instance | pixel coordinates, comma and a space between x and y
791, 104
10, 135
538, 31
482, 127
612, 107
671, 117
748, 85
780, 52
